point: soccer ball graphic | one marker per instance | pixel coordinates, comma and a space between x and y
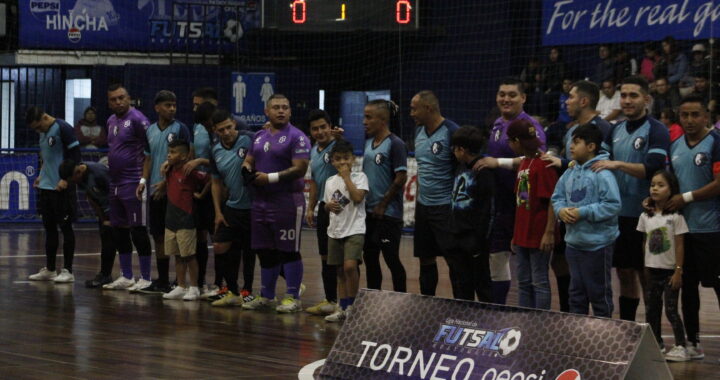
509, 342
233, 30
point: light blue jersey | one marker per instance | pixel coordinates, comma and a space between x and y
696, 167
226, 165
646, 143
436, 164
54, 144
321, 167
380, 163
158, 141
202, 143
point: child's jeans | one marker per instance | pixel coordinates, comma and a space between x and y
533, 280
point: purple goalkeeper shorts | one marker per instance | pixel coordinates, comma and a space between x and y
125, 209
276, 221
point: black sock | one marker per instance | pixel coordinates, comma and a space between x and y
628, 308
201, 250
563, 283
163, 268
329, 279
428, 279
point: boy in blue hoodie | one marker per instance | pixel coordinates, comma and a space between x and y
588, 203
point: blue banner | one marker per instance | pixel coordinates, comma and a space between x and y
194, 26
571, 22
17, 195
250, 93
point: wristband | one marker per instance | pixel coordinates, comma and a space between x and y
143, 181
274, 177
505, 163
688, 197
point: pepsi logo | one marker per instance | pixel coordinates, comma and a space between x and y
74, 35
569, 374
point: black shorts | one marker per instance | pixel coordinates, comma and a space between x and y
383, 234
158, 209
204, 213
238, 230
469, 244
702, 259
432, 231
57, 206
629, 253
322, 223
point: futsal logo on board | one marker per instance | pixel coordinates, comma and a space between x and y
466, 335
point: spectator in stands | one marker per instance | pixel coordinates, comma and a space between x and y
625, 66
674, 61
88, 132
647, 65
669, 118
209, 94
531, 77
604, 70
553, 72
664, 96
609, 103
699, 63
556, 130
701, 88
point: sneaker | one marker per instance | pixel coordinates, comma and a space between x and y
140, 284
208, 291
121, 283
176, 294
337, 316
259, 303
64, 277
289, 305
229, 299
677, 354
219, 294
695, 351
155, 287
192, 294
302, 289
246, 296
98, 281
323, 308
43, 275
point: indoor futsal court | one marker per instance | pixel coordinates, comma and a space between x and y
69, 332
540, 177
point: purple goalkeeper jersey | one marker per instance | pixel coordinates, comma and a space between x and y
498, 147
127, 141
275, 152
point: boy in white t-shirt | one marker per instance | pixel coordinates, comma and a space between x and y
345, 201
664, 256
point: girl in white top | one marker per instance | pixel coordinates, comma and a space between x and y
664, 254
345, 201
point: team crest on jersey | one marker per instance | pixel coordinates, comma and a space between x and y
326, 157
497, 135
127, 123
170, 137
379, 158
639, 143
266, 147
51, 141
115, 130
701, 159
302, 141
282, 139
242, 152
436, 148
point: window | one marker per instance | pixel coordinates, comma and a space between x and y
77, 98
7, 115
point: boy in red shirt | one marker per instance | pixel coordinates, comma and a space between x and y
533, 236
180, 231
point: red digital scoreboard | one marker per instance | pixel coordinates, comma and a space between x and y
340, 15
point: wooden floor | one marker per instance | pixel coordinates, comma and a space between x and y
69, 332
